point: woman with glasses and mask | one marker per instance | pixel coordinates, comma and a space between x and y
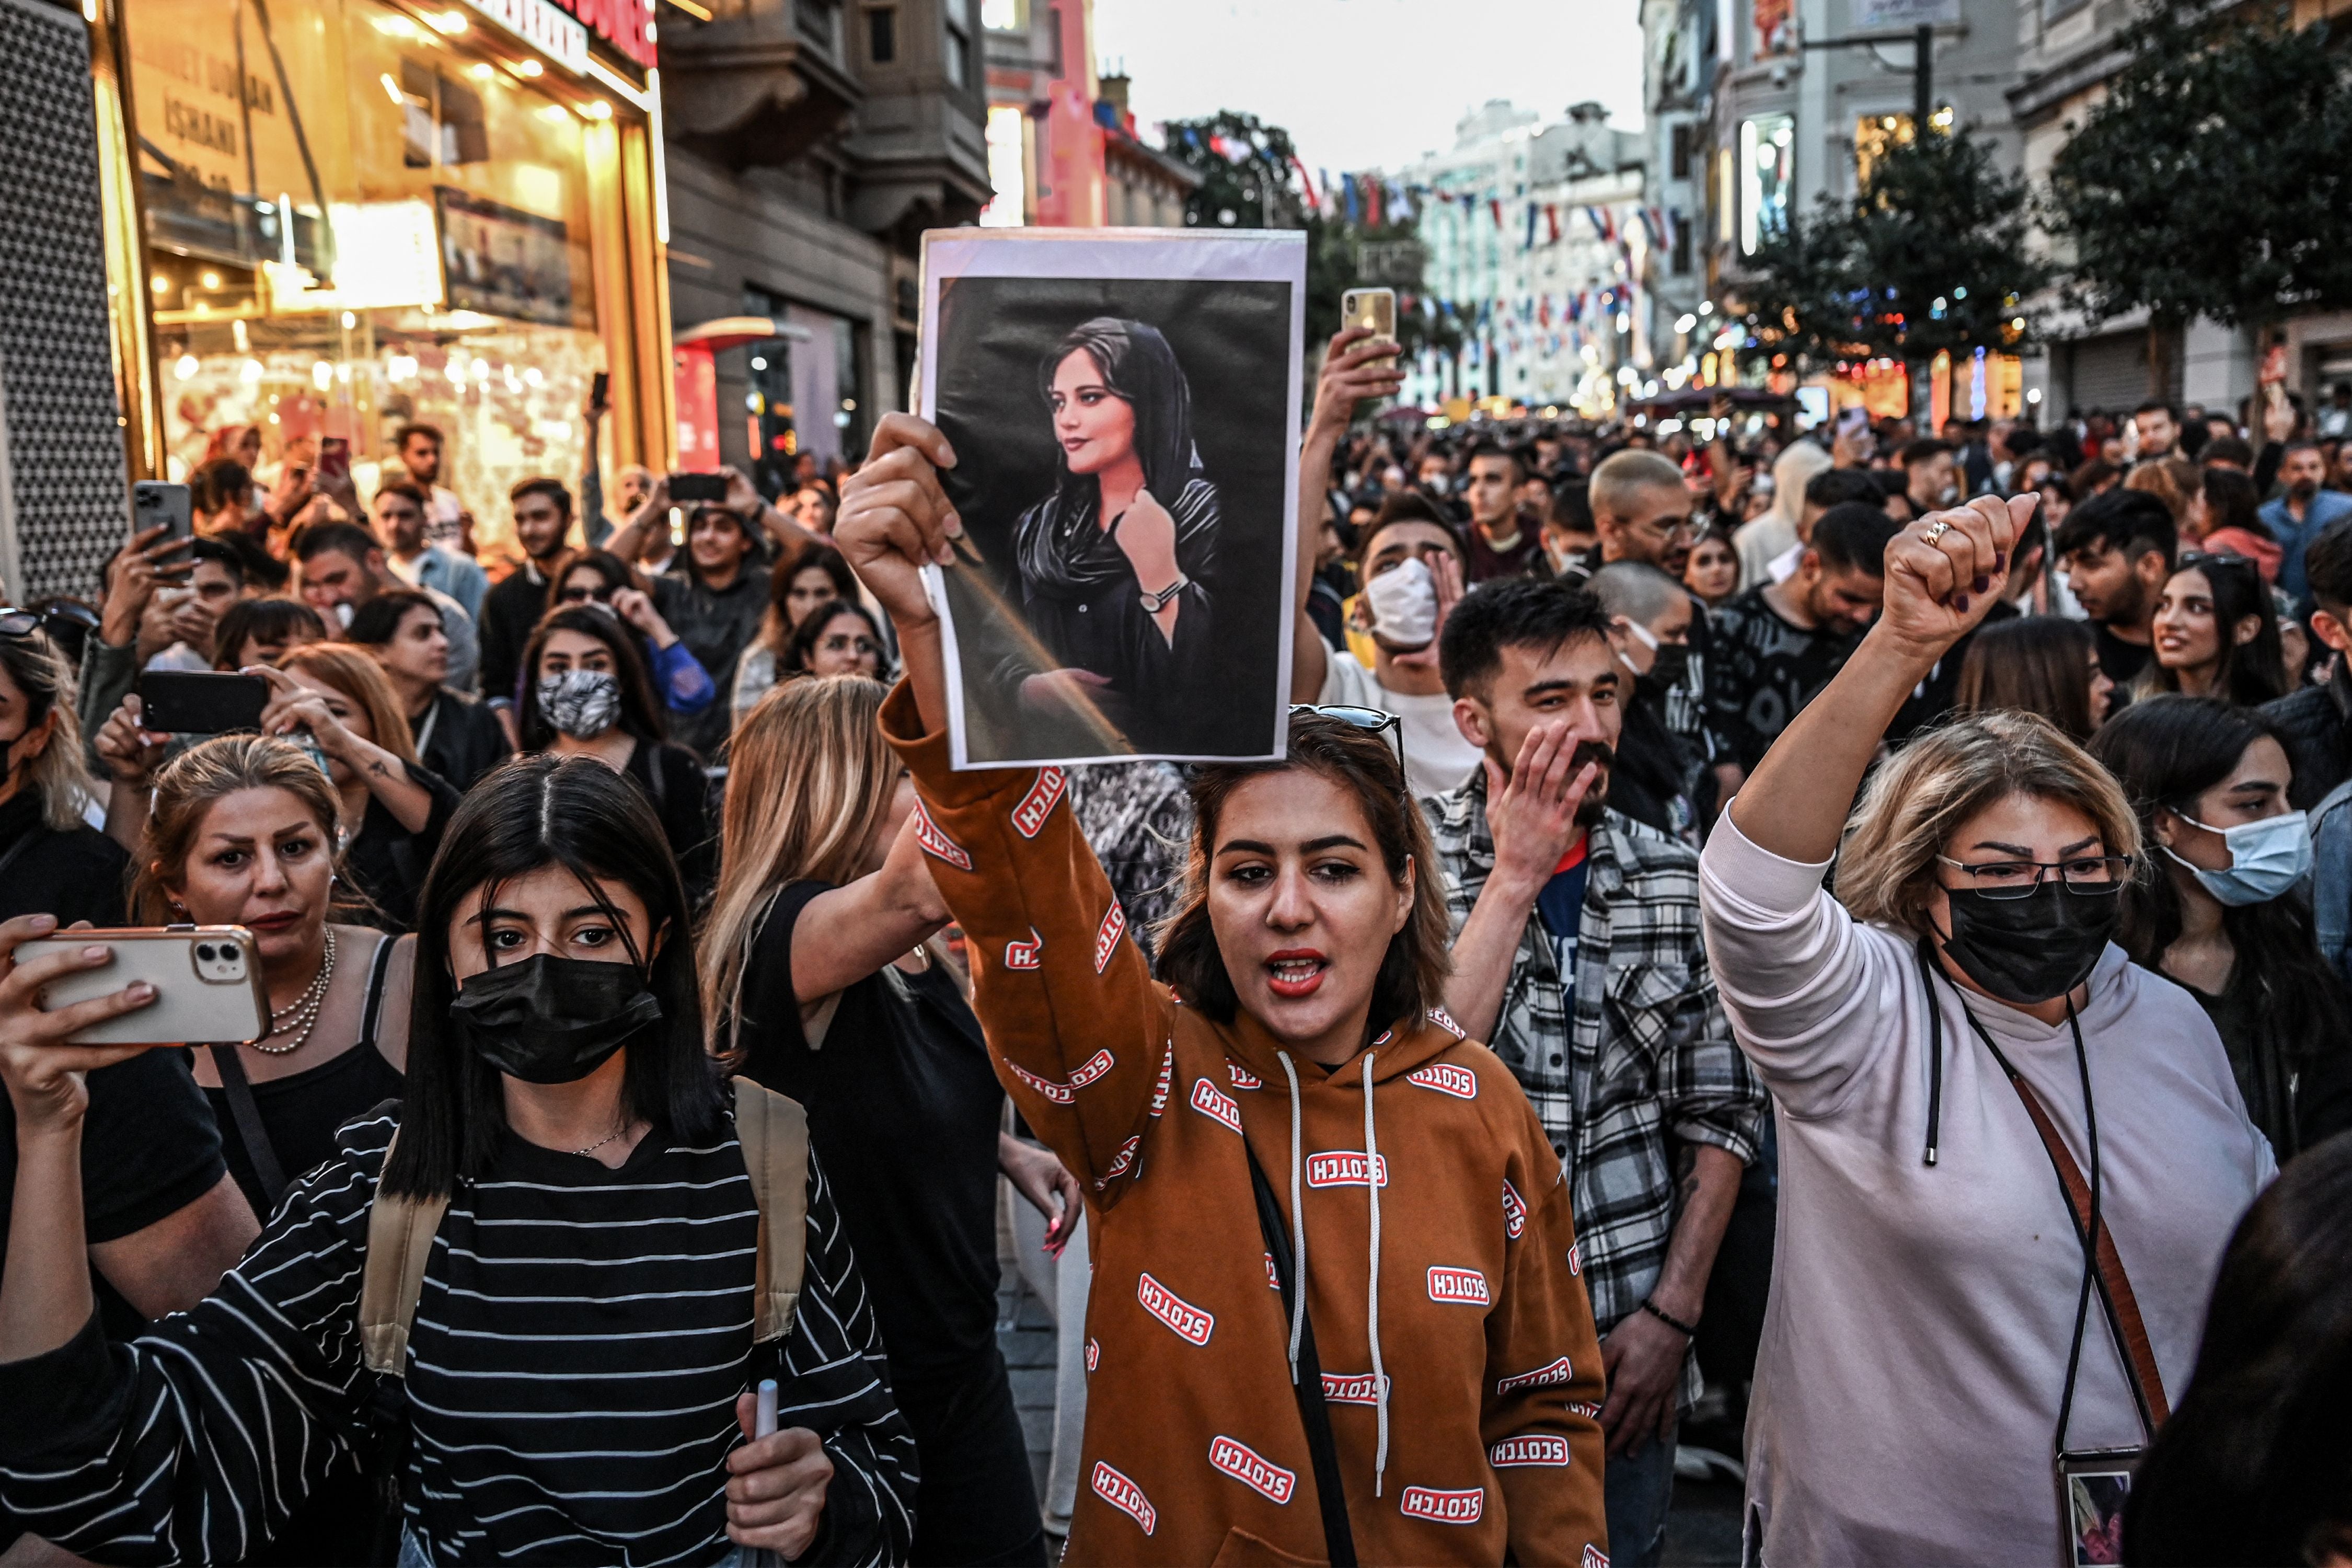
602, 578
588, 1328
2223, 912
1334, 1308
586, 694
2216, 633
1972, 1081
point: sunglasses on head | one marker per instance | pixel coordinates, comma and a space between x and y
2206, 561
15, 623
1372, 719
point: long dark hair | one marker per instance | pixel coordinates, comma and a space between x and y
641, 709
2166, 751
1138, 365
616, 573
1413, 974
775, 626
2255, 1465
545, 811
2032, 664
2250, 673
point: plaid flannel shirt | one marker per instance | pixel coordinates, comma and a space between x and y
1648, 1052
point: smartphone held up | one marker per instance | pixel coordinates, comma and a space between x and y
1373, 310
206, 982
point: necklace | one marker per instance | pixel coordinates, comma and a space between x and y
303, 1013
600, 1142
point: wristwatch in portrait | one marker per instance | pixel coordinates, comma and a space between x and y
1155, 603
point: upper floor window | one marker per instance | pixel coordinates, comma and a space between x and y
958, 13
882, 34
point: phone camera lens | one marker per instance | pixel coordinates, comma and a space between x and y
207, 951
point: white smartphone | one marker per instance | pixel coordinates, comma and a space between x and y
208, 981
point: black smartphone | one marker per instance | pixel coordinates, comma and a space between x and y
201, 702
153, 501
698, 487
600, 390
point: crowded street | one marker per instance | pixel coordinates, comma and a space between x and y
978, 782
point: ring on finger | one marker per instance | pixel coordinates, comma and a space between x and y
1936, 530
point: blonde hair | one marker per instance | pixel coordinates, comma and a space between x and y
809, 782
1886, 864
353, 671
198, 778
58, 775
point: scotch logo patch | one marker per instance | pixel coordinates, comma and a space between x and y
1446, 1079
1059, 1093
1125, 1496
1352, 1388
1437, 1016
1272, 1278
1344, 1168
1184, 1320
938, 844
1576, 1257
1590, 1412
1215, 1104
1529, 1449
1243, 1078
1106, 940
1024, 954
1252, 1468
1443, 1507
1093, 1067
1542, 1377
1093, 1355
1167, 1077
1515, 1211
1463, 1287
1038, 803
1594, 1557
1120, 1162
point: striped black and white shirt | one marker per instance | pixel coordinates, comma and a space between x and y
578, 1349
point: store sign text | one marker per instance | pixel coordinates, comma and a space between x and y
542, 26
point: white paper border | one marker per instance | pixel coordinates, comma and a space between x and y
1278, 255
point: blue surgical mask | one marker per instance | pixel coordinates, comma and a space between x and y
2266, 859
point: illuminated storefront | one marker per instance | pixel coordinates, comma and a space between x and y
345, 215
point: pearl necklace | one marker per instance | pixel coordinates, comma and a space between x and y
303, 1011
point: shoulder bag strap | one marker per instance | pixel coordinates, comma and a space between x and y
399, 1242
1339, 1535
371, 1008
246, 1113
773, 1131
2113, 1283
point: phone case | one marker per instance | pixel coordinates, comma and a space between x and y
208, 981
200, 702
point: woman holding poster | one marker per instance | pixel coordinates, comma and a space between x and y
1115, 562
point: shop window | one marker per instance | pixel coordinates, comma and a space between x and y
442, 122
882, 34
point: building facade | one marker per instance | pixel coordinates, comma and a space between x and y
331, 218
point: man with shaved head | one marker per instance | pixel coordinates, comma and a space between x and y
1649, 620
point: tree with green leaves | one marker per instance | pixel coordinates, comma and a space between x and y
2212, 180
1928, 257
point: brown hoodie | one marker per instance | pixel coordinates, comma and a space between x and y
1457, 1347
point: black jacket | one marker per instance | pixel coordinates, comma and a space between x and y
509, 610
2314, 724
461, 739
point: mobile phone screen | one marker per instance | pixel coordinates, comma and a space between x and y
334, 460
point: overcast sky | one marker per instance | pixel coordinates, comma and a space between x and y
1365, 84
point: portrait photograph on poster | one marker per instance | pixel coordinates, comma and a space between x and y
1124, 408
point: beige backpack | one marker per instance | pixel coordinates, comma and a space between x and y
773, 1131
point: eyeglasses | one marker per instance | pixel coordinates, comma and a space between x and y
2086, 876
15, 623
1370, 719
863, 647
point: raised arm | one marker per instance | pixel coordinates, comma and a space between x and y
1078, 1030
1943, 574
850, 931
1348, 378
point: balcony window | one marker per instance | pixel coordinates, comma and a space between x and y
958, 15
882, 34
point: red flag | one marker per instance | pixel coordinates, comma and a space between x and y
1495, 206
1551, 221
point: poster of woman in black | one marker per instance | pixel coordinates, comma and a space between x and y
1122, 407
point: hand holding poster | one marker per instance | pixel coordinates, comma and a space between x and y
1123, 406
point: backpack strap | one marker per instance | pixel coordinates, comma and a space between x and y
773, 1132
399, 1241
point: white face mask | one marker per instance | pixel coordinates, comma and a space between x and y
1405, 605
343, 615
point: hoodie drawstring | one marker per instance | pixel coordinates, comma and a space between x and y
1372, 1296
1298, 1224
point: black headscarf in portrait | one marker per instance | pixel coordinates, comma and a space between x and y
1060, 546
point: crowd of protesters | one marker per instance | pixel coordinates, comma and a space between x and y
1803, 914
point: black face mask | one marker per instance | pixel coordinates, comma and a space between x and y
1671, 664
2032, 948
553, 1020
